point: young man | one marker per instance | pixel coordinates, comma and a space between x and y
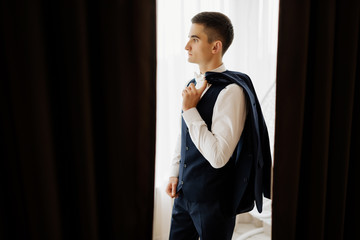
222, 161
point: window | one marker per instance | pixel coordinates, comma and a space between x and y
253, 52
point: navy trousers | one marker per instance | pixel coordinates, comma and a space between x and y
207, 220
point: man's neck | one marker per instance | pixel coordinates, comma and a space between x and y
208, 67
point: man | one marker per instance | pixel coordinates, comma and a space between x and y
222, 160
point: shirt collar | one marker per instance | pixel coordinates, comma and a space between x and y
222, 68
201, 77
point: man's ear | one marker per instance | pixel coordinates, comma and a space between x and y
217, 47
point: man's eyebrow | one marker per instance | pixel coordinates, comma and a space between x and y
194, 36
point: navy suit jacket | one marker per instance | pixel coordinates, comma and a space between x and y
252, 155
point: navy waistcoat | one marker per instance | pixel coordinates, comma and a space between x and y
198, 180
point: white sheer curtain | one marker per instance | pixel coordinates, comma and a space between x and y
253, 52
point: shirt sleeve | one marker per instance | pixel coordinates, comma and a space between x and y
175, 161
229, 115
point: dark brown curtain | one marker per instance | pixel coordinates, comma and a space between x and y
317, 140
77, 119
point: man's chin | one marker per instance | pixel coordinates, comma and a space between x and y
190, 60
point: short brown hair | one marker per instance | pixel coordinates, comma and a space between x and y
217, 26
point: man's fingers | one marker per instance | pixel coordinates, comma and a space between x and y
192, 89
168, 190
173, 190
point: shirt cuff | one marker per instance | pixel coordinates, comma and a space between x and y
174, 171
191, 115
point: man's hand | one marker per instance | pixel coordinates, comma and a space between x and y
191, 96
171, 187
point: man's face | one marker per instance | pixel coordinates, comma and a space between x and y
198, 47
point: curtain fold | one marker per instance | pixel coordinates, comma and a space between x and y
317, 118
77, 119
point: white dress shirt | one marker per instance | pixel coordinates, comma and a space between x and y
229, 114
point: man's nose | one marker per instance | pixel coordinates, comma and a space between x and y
187, 46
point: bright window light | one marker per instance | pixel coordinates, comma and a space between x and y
253, 51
